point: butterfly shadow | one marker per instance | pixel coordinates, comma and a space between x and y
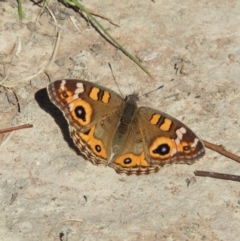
44, 103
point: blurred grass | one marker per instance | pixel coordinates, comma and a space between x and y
101, 29
20, 11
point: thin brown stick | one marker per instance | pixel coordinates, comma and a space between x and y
220, 149
15, 128
218, 175
94, 12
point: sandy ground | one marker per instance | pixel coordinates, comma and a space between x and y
49, 192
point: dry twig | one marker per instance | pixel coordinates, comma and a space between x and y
218, 175
220, 149
15, 128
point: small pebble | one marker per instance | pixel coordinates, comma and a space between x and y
60, 62
147, 56
96, 47
232, 57
31, 26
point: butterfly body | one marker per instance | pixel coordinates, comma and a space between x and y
113, 131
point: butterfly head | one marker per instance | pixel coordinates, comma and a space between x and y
132, 98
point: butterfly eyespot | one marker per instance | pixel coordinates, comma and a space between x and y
64, 94
98, 148
80, 113
127, 160
87, 132
186, 148
162, 149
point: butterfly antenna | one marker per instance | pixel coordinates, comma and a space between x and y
110, 66
146, 94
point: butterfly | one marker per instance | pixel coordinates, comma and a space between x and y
114, 131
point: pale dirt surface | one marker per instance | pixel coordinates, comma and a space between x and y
53, 184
